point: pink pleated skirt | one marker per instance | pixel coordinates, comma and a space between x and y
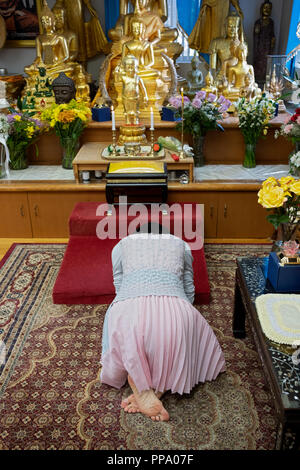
163, 343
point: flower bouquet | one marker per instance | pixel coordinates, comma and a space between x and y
254, 117
23, 130
199, 116
291, 130
4, 152
282, 197
68, 121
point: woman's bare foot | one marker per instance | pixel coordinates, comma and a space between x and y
149, 404
130, 405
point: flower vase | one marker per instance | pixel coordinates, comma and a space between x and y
18, 157
294, 169
70, 149
198, 143
249, 159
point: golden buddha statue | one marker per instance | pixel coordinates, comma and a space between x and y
250, 90
82, 88
237, 74
61, 28
210, 23
132, 89
90, 36
153, 18
209, 84
56, 51
220, 47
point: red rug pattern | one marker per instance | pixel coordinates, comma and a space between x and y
50, 393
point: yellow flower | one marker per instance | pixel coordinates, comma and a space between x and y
285, 183
66, 116
271, 196
271, 181
17, 118
295, 187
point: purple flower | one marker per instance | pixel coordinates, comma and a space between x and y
186, 100
211, 97
201, 95
221, 99
197, 103
11, 117
225, 106
175, 101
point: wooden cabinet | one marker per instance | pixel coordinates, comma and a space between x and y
240, 216
50, 211
14, 215
210, 201
228, 214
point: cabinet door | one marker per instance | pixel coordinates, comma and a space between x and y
50, 211
210, 201
240, 216
15, 218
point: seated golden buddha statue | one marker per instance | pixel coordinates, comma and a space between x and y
237, 74
250, 90
209, 84
219, 48
154, 13
56, 53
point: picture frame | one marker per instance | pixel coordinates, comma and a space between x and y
21, 13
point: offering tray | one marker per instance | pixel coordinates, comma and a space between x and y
143, 155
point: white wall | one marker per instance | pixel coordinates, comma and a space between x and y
14, 60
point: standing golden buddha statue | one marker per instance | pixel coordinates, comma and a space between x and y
210, 23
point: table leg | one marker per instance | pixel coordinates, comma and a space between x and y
239, 313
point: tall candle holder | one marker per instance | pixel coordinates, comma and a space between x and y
182, 155
114, 143
151, 153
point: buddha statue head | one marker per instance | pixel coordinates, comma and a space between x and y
232, 26
242, 51
63, 88
47, 19
130, 65
141, 5
60, 17
266, 9
137, 28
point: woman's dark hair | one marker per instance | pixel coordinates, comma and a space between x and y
152, 227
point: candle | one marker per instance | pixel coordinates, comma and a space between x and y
152, 120
182, 97
113, 121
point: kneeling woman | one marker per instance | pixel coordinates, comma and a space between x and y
153, 336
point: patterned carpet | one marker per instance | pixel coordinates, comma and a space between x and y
50, 394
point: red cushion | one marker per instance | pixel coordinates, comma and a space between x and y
85, 276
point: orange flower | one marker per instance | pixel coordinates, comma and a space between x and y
66, 116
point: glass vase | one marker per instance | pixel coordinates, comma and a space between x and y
18, 157
249, 159
198, 144
294, 170
70, 149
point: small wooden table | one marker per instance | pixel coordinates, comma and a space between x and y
89, 158
282, 375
